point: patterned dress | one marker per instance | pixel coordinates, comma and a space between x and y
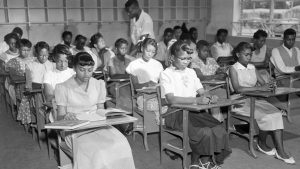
17, 69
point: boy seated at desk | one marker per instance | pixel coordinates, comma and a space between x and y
180, 85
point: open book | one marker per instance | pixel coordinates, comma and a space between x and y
101, 114
66, 124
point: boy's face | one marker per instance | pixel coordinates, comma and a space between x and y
168, 37
259, 43
67, 39
43, 55
222, 37
122, 49
80, 44
177, 33
24, 51
195, 35
289, 41
203, 52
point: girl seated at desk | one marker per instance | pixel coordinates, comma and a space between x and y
117, 70
180, 85
104, 148
60, 73
244, 77
17, 68
145, 72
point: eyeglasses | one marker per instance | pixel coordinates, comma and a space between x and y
187, 49
187, 59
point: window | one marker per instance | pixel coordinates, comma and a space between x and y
274, 16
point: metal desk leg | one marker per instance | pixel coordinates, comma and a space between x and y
289, 109
74, 150
252, 130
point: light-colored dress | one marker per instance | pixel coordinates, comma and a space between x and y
105, 148
267, 116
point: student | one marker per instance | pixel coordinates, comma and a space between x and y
141, 24
80, 42
177, 32
17, 69
11, 40
100, 53
36, 70
67, 39
4, 46
162, 51
286, 58
205, 66
186, 37
61, 72
194, 34
180, 85
117, 70
105, 147
145, 72
261, 54
244, 77
221, 48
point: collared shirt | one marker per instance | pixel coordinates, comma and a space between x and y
221, 50
182, 83
143, 26
207, 69
278, 62
36, 70
56, 76
145, 71
76, 99
246, 75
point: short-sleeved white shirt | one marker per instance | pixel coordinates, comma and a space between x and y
182, 83
55, 77
143, 26
221, 50
37, 70
145, 71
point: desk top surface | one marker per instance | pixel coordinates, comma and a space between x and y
114, 120
214, 81
279, 91
220, 103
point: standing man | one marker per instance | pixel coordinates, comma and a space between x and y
141, 24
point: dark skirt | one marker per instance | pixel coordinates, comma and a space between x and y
207, 136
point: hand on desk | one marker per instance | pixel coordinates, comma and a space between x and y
70, 116
151, 83
266, 87
207, 99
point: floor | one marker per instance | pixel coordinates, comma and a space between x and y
19, 151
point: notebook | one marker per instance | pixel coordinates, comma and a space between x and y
66, 124
101, 114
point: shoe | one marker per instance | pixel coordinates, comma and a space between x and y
290, 160
270, 153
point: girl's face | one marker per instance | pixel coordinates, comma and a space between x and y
24, 52
12, 45
245, 56
203, 53
100, 44
62, 62
83, 73
122, 49
148, 52
43, 55
80, 44
67, 39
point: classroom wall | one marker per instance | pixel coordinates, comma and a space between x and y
47, 19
